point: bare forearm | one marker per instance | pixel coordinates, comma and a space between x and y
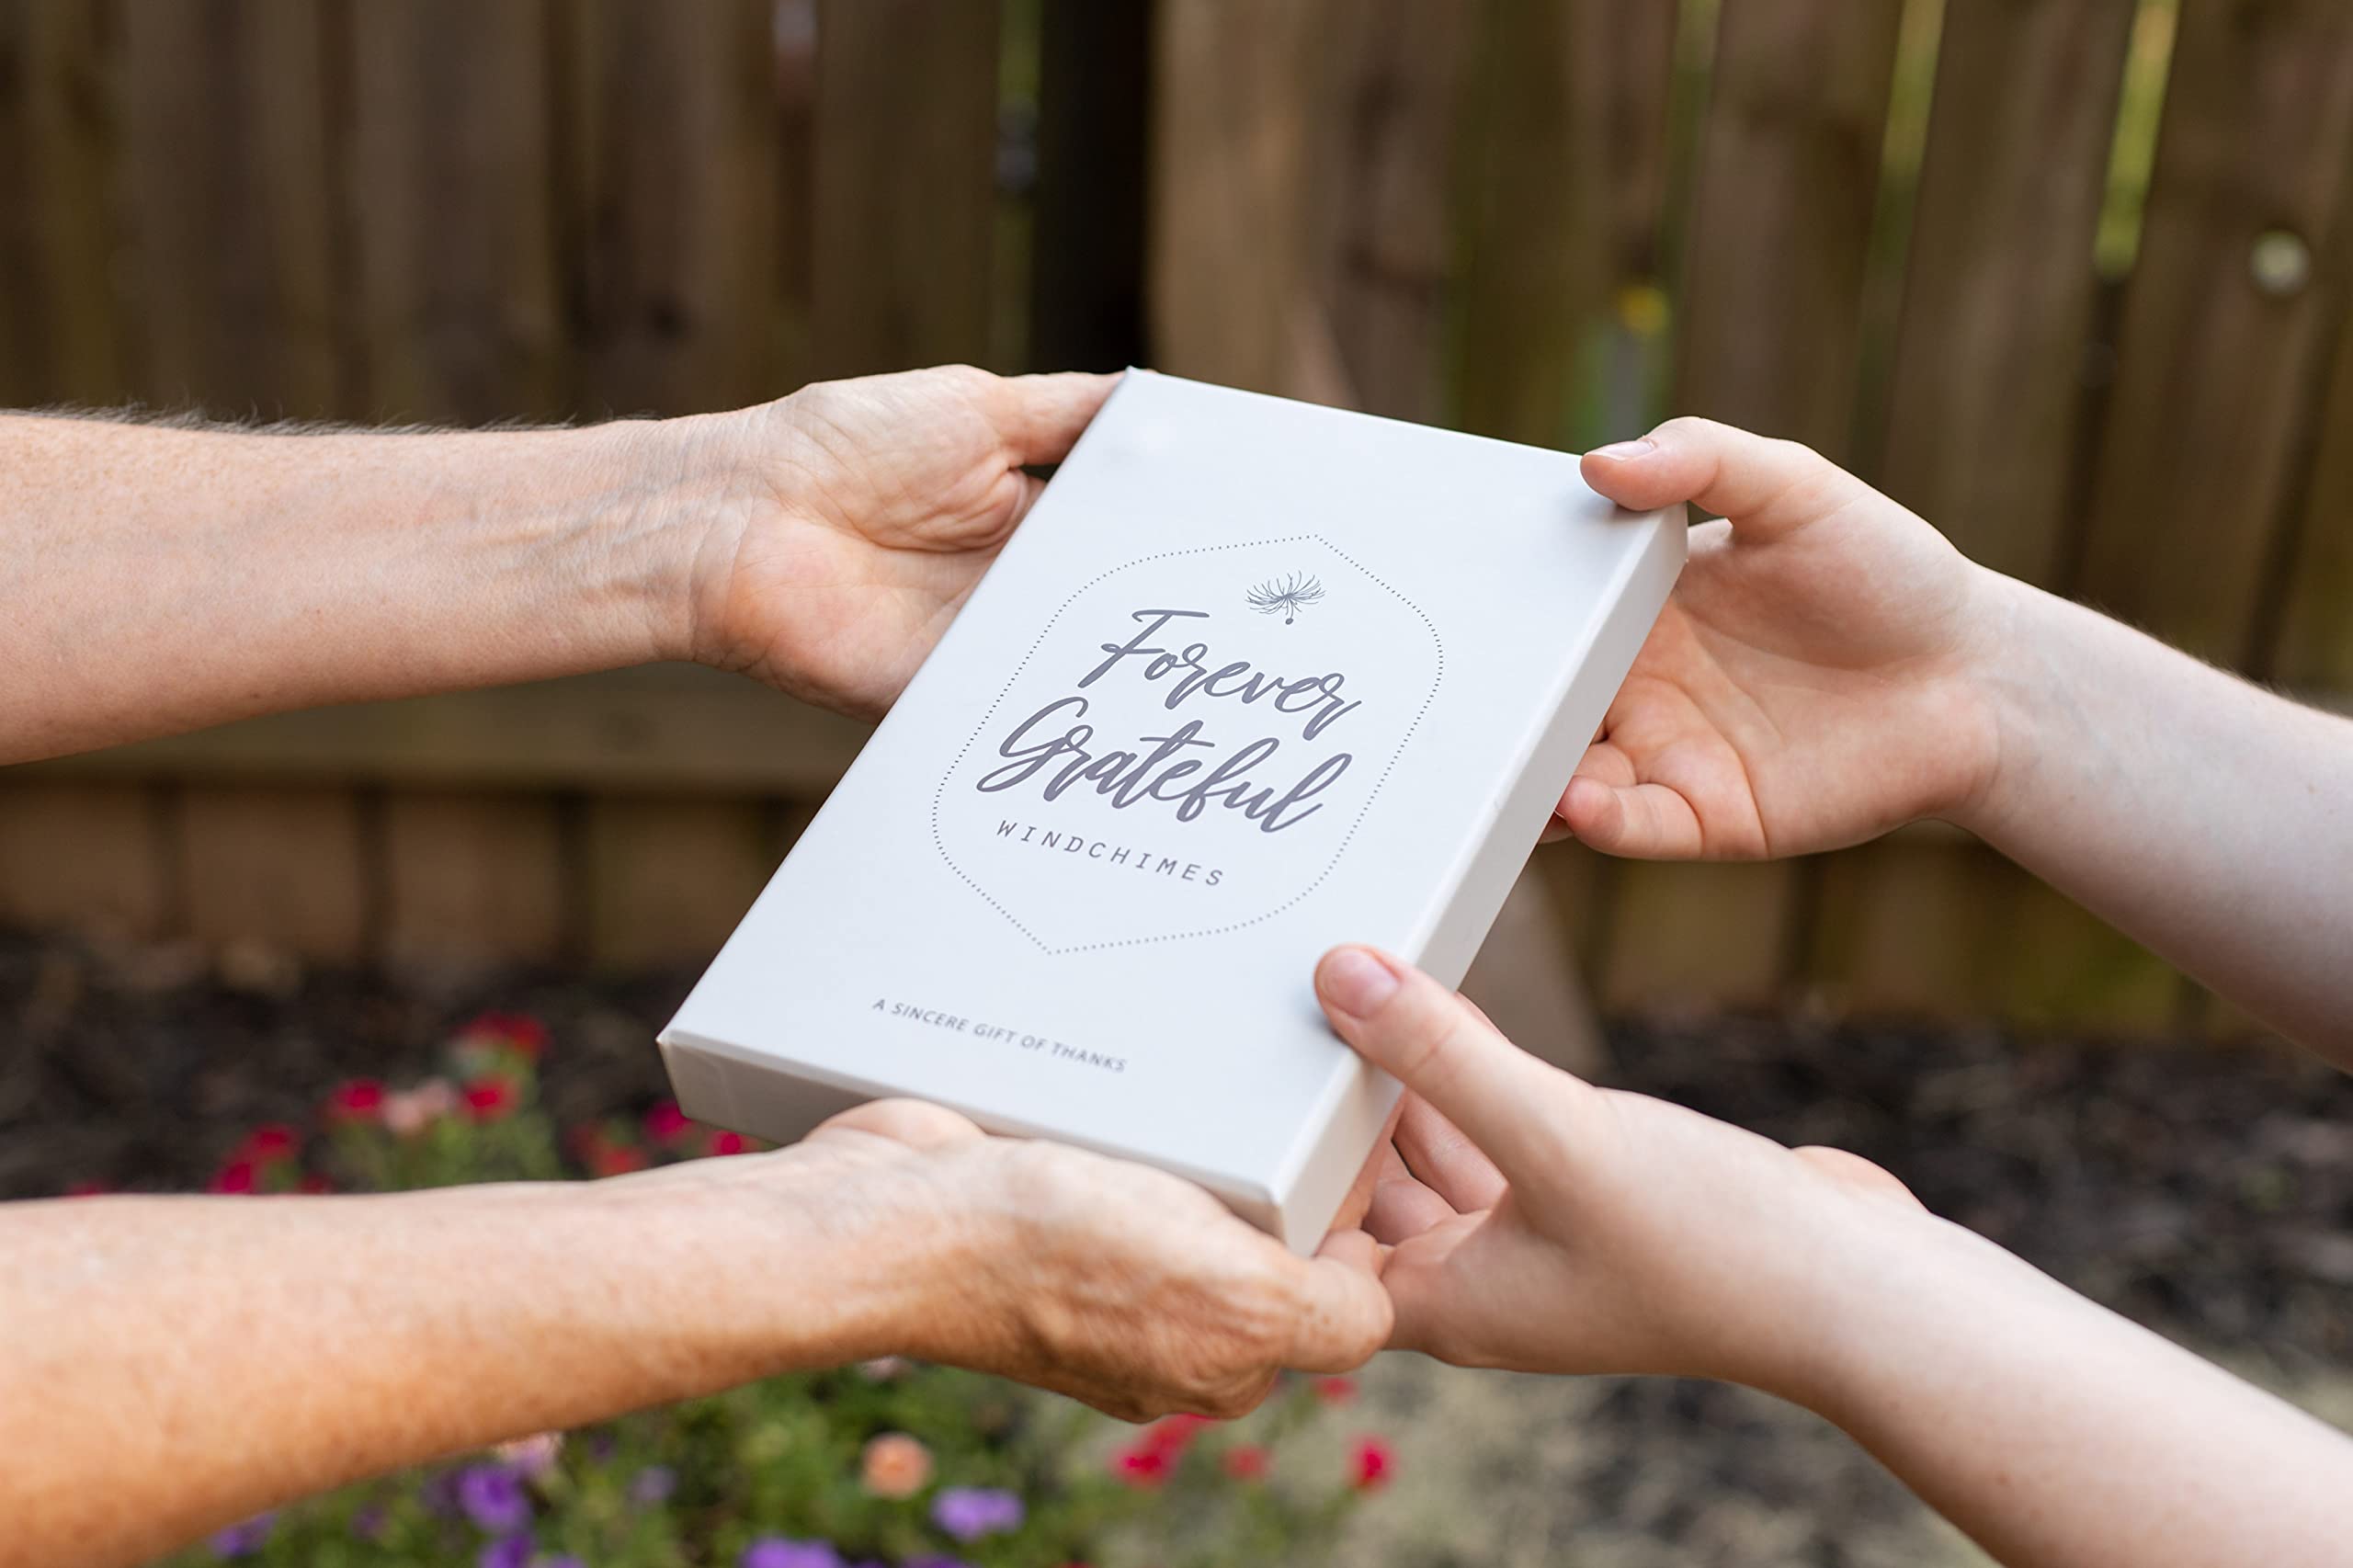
153, 580
2060, 1436
175, 1364
2208, 819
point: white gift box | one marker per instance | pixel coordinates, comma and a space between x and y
1253, 678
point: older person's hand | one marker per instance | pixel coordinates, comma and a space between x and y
1121, 1286
848, 521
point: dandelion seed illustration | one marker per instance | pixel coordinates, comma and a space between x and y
1287, 597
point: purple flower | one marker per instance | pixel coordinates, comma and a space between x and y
968, 1513
368, 1523
937, 1562
492, 1496
774, 1551
513, 1552
565, 1560
653, 1485
242, 1539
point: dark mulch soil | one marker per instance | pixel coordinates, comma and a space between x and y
2207, 1193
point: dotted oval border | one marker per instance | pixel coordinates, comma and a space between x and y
1438, 679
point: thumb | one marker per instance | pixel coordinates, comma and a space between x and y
1509, 1104
1760, 485
1040, 417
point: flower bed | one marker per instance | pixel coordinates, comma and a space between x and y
885, 1463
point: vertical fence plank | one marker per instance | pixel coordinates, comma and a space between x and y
470, 877
23, 344
2314, 650
2224, 327
1772, 281
226, 185
1395, 75
1561, 195
678, 157
68, 113
1987, 380
904, 185
450, 208
669, 879
1234, 224
83, 856
282, 866
1690, 936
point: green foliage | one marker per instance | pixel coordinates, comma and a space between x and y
858, 1465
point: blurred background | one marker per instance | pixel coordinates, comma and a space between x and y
2067, 277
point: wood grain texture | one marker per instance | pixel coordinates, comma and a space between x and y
2218, 374
450, 193
86, 855
2313, 647
67, 111
1987, 382
1393, 83
677, 186
1773, 271
671, 727
1233, 237
669, 879
228, 146
1563, 185
905, 189
23, 340
284, 868
1691, 937
471, 878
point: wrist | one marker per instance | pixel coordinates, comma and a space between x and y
788, 1264
2007, 680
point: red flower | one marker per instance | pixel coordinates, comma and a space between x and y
666, 1122
1335, 1390
727, 1143
490, 1098
616, 1159
314, 1184
1372, 1462
361, 1099
517, 1032
237, 1176
1248, 1461
266, 1145
1142, 1466
1174, 1435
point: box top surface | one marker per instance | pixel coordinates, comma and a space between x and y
1251, 680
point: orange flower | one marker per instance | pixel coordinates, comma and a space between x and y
896, 1465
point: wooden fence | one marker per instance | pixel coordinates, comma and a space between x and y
2069, 276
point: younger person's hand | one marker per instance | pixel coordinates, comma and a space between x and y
1539, 1223
1819, 676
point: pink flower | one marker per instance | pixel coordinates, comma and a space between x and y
666, 1122
490, 1098
406, 1115
237, 1176
1172, 1435
615, 1159
727, 1143
1372, 1462
361, 1100
1248, 1461
1142, 1466
894, 1465
1335, 1390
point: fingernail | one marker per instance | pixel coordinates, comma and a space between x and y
1625, 451
1356, 983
